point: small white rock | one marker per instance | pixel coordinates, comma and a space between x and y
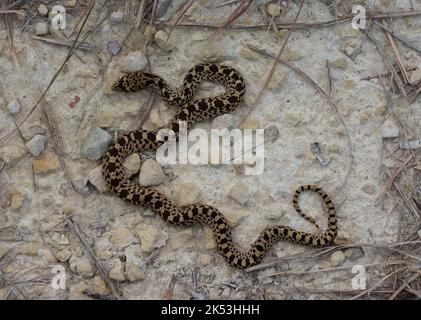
240, 192
117, 272
13, 106
41, 29
189, 193
96, 179
117, 16
415, 76
36, 145
151, 173
337, 258
96, 143
132, 164
81, 266
134, 61
390, 129
223, 121
161, 38
42, 9
273, 9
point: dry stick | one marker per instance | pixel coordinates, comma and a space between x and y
150, 22
140, 13
242, 7
288, 25
383, 75
71, 51
176, 22
272, 70
396, 77
400, 63
12, 5
408, 202
412, 278
103, 271
400, 38
81, 46
392, 178
320, 90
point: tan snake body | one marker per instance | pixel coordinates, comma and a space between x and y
194, 111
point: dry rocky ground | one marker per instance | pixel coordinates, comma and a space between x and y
360, 140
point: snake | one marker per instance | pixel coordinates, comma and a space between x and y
192, 111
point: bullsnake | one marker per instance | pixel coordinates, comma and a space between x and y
192, 112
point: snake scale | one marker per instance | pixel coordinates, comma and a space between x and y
193, 111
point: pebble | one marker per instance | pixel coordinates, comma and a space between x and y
354, 253
47, 163
419, 233
273, 9
117, 272
134, 61
150, 237
36, 145
71, 3
337, 258
122, 237
349, 51
205, 259
96, 143
42, 9
247, 53
222, 122
276, 80
132, 164
32, 131
113, 47
117, 16
161, 38
41, 29
60, 238
189, 194
149, 32
134, 273
369, 188
240, 192
340, 63
81, 266
415, 76
29, 249
16, 199
14, 107
63, 255
151, 173
390, 129
271, 132
12, 152
96, 179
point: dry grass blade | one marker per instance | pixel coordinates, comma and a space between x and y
177, 21
103, 271
241, 8
71, 51
272, 70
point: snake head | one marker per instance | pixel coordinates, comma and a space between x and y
121, 85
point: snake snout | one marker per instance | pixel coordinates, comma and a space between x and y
119, 85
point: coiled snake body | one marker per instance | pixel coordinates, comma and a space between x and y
191, 112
